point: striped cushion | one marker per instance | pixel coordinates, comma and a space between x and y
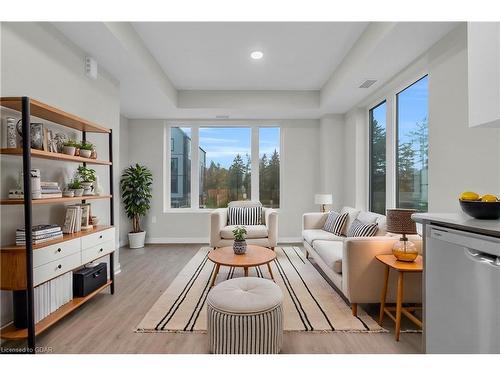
245, 215
359, 229
335, 222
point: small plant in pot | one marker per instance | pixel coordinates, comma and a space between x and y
69, 147
86, 149
239, 245
87, 177
135, 186
76, 187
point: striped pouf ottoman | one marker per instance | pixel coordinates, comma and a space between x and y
245, 316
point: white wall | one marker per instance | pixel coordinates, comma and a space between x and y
331, 161
37, 61
125, 225
460, 158
300, 176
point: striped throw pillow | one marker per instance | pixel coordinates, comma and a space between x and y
245, 215
360, 229
335, 222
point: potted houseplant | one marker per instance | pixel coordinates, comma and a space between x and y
239, 245
87, 177
76, 187
69, 147
86, 149
135, 186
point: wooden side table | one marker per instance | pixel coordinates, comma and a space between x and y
402, 267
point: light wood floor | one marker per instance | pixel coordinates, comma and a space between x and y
106, 324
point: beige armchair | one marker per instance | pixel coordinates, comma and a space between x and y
266, 235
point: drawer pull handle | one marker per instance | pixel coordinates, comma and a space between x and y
101, 249
100, 236
59, 266
59, 250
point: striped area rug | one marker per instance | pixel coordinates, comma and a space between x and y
310, 303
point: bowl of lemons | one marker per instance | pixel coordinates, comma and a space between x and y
486, 207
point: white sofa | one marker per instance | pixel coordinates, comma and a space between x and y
266, 235
349, 262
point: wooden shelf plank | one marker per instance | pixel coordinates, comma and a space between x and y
54, 200
12, 333
53, 114
66, 237
53, 156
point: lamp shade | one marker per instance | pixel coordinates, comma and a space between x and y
399, 221
323, 199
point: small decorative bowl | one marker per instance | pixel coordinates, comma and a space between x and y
481, 210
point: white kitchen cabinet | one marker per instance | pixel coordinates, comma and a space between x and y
483, 46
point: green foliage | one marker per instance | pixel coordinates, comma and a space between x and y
75, 184
269, 179
86, 146
135, 186
85, 174
239, 233
71, 143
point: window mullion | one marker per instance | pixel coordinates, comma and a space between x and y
195, 167
255, 164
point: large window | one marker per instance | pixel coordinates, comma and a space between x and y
180, 167
412, 146
220, 169
227, 166
378, 158
269, 166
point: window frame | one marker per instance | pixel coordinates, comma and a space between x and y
396, 139
370, 148
390, 97
195, 126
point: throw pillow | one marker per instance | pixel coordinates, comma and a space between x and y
245, 215
335, 222
360, 229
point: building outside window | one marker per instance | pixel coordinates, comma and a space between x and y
412, 146
378, 136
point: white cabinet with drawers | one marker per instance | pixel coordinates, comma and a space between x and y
54, 260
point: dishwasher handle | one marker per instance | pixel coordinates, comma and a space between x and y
479, 256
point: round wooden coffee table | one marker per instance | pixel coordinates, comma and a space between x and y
254, 256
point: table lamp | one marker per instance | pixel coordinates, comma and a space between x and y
323, 199
399, 221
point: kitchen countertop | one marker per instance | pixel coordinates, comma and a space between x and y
460, 221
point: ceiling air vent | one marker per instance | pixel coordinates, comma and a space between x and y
367, 83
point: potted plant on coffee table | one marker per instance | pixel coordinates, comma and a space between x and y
135, 186
239, 245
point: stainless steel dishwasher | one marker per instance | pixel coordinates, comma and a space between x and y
462, 292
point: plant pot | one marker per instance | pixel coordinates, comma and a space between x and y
69, 150
68, 193
85, 153
87, 188
240, 247
78, 192
136, 240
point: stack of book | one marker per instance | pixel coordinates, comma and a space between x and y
77, 218
52, 295
40, 234
50, 189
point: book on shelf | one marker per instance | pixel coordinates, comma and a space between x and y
51, 195
42, 228
40, 234
51, 295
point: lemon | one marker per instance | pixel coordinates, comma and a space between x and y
489, 198
469, 196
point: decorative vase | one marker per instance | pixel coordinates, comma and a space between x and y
239, 247
97, 186
85, 153
69, 150
78, 192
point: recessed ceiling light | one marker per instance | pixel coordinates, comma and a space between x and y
257, 55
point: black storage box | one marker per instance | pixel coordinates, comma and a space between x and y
86, 280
